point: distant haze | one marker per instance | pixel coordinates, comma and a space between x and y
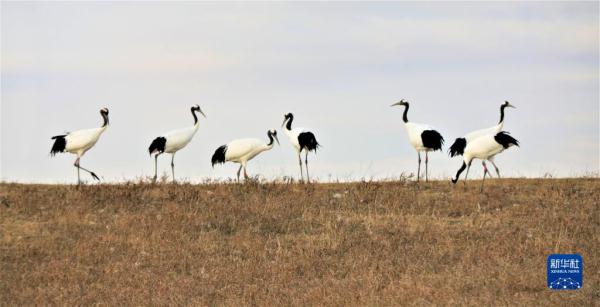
337, 66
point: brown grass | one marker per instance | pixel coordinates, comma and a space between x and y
291, 244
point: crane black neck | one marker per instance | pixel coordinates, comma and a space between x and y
460, 170
105, 117
404, 116
288, 125
195, 117
502, 113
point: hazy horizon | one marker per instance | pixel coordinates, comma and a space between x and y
338, 66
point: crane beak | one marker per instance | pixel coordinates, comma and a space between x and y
276, 139
396, 104
284, 120
199, 110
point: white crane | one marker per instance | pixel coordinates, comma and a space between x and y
173, 141
302, 139
484, 148
79, 142
458, 147
243, 150
422, 137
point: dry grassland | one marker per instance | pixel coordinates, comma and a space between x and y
371, 243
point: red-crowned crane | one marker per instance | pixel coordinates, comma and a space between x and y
422, 137
458, 147
302, 139
485, 147
79, 142
243, 150
173, 141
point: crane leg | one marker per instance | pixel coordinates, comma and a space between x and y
467, 173
419, 167
155, 167
173, 166
81, 168
306, 165
238, 173
485, 171
426, 162
245, 174
495, 167
301, 172
76, 164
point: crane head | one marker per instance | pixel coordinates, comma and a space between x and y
402, 102
196, 108
508, 105
287, 117
104, 111
273, 133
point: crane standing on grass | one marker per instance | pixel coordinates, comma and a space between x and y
485, 147
302, 139
79, 142
422, 137
173, 141
243, 150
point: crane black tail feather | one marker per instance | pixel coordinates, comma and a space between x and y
503, 138
308, 141
219, 155
432, 139
157, 145
458, 147
59, 144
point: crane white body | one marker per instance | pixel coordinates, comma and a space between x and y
178, 139
79, 142
243, 150
483, 147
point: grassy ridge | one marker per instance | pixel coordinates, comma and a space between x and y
334, 244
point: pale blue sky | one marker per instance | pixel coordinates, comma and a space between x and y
336, 66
